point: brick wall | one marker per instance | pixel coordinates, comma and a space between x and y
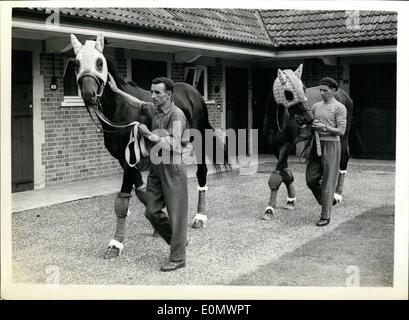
73, 151
215, 78
315, 69
178, 72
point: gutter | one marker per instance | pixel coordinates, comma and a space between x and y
201, 45
142, 38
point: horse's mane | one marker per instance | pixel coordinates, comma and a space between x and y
127, 86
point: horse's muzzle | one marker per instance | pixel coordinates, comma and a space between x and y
90, 91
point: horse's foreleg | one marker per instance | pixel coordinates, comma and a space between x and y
274, 183
287, 175
131, 177
199, 220
288, 180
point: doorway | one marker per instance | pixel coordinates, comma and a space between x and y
373, 90
22, 165
237, 102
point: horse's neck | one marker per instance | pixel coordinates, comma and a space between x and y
117, 109
141, 94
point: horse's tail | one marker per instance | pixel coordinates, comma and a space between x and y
217, 159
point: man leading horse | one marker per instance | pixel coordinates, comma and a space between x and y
167, 180
288, 120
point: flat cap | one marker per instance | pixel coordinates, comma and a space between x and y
327, 81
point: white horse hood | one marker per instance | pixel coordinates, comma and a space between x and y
90, 60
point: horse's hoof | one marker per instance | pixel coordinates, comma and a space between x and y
337, 199
290, 205
114, 249
268, 214
155, 234
112, 253
197, 224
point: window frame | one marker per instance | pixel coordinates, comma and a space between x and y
198, 69
71, 101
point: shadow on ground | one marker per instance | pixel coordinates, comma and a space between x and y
357, 252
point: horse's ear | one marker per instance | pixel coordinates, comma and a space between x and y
281, 76
76, 45
99, 45
298, 72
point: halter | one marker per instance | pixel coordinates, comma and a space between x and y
101, 84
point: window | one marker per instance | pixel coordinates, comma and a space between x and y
144, 71
197, 77
72, 96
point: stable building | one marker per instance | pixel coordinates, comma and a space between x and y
230, 55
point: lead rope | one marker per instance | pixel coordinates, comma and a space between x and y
139, 142
139, 147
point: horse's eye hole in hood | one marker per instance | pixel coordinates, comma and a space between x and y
289, 95
99, 65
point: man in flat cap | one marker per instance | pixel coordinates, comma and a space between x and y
322, 172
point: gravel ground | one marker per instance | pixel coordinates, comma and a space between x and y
73, 236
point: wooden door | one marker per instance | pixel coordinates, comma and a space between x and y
237, 100
262, 87
22, 122
373, 90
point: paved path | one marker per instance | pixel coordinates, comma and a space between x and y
48, 196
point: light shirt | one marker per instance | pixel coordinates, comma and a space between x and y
333, 115
168, 122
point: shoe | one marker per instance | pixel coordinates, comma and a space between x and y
323, 222
172, 265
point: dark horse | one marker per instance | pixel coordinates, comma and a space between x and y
287, 122
92, 71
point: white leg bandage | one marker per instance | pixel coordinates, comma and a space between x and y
201, 217
269, 208
116, 244
338, 197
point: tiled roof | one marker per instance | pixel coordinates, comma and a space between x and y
238, 25
279, 28
292, 28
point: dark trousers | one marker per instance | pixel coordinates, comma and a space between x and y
322, 174
167, 187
